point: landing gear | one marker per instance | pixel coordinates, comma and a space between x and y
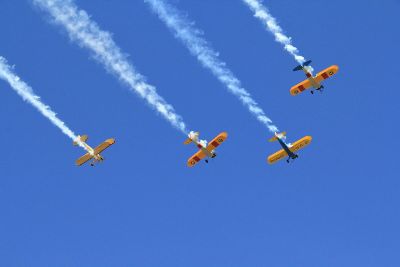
206, 160
321, 89
292, 158
312, 92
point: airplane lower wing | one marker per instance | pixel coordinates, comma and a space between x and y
299, 144
85, 158
326, 73
217, 141
106, 144
300, 87
196, 158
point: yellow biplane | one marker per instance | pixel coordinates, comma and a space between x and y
92, 153
205, 151
287, 149
312, 81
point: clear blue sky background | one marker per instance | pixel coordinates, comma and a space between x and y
337, 205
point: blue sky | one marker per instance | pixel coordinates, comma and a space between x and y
337, 205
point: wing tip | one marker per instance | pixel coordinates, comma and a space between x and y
271, 160
224, 134
110, 141
190, 164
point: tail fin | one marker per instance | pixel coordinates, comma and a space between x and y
277, 135
300, 67
82, 139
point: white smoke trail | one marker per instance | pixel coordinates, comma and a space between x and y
185, 31
26, 92
262, 13
88, 34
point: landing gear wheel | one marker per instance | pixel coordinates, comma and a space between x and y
312, 92
206, 160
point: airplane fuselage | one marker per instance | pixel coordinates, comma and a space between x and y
96, 157
287, 150
203, 147
312, 80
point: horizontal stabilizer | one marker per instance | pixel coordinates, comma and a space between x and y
275, 138
300, 67
193, 137
82, 139
187, 141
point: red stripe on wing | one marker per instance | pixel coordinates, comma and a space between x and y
215, 143
301, 88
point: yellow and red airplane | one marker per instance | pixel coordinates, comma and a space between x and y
92, 153
287, 149
312, 81
205, 151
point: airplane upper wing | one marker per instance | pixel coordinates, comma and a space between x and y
106, 144
299, 144
196, 158
300, 87
85, 158
326, 73
217, 141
